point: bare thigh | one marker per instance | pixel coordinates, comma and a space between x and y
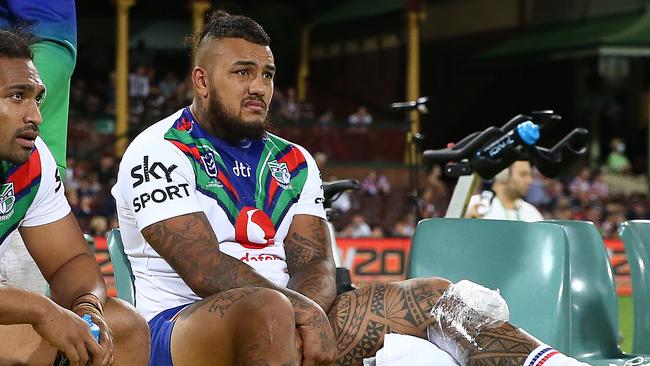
21, 345
246, 326
360, 318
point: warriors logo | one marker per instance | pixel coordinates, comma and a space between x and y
7, 200
280, 172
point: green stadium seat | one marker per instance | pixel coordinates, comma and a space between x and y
547, 285
593, 293
528, 264
636, 238
91, 242
121, 267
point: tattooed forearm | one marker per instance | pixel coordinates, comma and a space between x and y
317, 282
189, 245
309, 260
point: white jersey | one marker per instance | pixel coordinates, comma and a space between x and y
524, 211
249, 193
31, 194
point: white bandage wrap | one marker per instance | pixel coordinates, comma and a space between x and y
485, 301
461, 313
547, 356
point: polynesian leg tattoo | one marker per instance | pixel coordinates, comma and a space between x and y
361, 318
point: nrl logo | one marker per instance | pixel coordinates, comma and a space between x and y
209, 162
280, 172
7, 200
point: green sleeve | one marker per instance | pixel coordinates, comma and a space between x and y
55, 63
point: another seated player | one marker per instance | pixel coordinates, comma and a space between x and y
34, 327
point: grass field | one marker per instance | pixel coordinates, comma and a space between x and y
626, 321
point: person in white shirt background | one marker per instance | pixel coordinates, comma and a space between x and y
507, 201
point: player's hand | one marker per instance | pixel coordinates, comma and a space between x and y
472, 211
68, 333
316, 334
105, 336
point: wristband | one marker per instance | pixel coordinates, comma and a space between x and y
88, 299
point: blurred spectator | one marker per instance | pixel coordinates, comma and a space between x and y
139, 88
357, 228
638, 207
290, 109
563, 210
361, 117
580, 186
98, 226
106, 170
168, 85
326, 119
593, 212
426, 205
439, 189
405, 227
185, 92
617, 162
139, 82
599, 190
377, 232
375, 183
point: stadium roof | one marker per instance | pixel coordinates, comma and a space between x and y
164, 34
622, 35
356, 9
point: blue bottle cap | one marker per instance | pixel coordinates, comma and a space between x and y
94, 328
528, 132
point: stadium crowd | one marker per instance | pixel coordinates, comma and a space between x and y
379, 209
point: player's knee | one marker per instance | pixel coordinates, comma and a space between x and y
267, 311
125, 322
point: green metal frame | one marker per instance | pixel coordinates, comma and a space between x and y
121, 267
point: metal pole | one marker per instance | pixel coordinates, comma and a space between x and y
303, 65
121, 76
199, 7
412, 93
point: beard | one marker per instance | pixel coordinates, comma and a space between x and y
226, 125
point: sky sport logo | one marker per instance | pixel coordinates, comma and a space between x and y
7, 200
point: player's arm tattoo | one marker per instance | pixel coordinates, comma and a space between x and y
309, 260
189, 245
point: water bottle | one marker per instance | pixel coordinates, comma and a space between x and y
60, 359
525, 133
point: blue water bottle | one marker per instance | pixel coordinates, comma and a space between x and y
525, 133
60, 359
